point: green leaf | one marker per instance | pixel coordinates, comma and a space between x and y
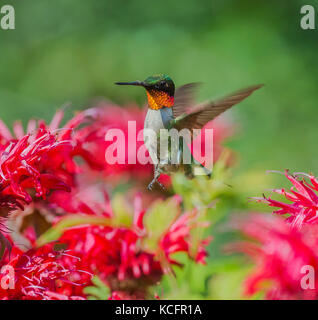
123, 214
99, 290
57, 230
158, 219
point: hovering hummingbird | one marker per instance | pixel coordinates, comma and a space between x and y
169, 108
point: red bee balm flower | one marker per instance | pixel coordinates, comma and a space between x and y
281, 254
303, 197
132, 256
22, 167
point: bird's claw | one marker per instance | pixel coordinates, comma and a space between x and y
161, 185
150, 185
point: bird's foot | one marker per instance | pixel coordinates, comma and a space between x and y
161, 186
151, 184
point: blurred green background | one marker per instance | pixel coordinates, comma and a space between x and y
73, 51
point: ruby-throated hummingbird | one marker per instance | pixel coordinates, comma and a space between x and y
168, 109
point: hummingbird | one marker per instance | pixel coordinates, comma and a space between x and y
176, 109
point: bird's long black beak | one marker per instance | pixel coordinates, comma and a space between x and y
132, 83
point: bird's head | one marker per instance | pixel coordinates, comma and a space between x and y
160, 90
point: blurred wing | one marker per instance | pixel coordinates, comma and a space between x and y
207, 112
184, 98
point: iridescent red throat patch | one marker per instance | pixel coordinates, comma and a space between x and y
159, 99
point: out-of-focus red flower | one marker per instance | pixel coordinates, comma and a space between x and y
36, 275
223, 128
115, 296
84, 198
90, 143
121, 257
280, 253
109, 117
303, 199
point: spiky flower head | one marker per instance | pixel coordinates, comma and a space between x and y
302, 198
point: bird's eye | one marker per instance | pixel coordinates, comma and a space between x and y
163, 84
